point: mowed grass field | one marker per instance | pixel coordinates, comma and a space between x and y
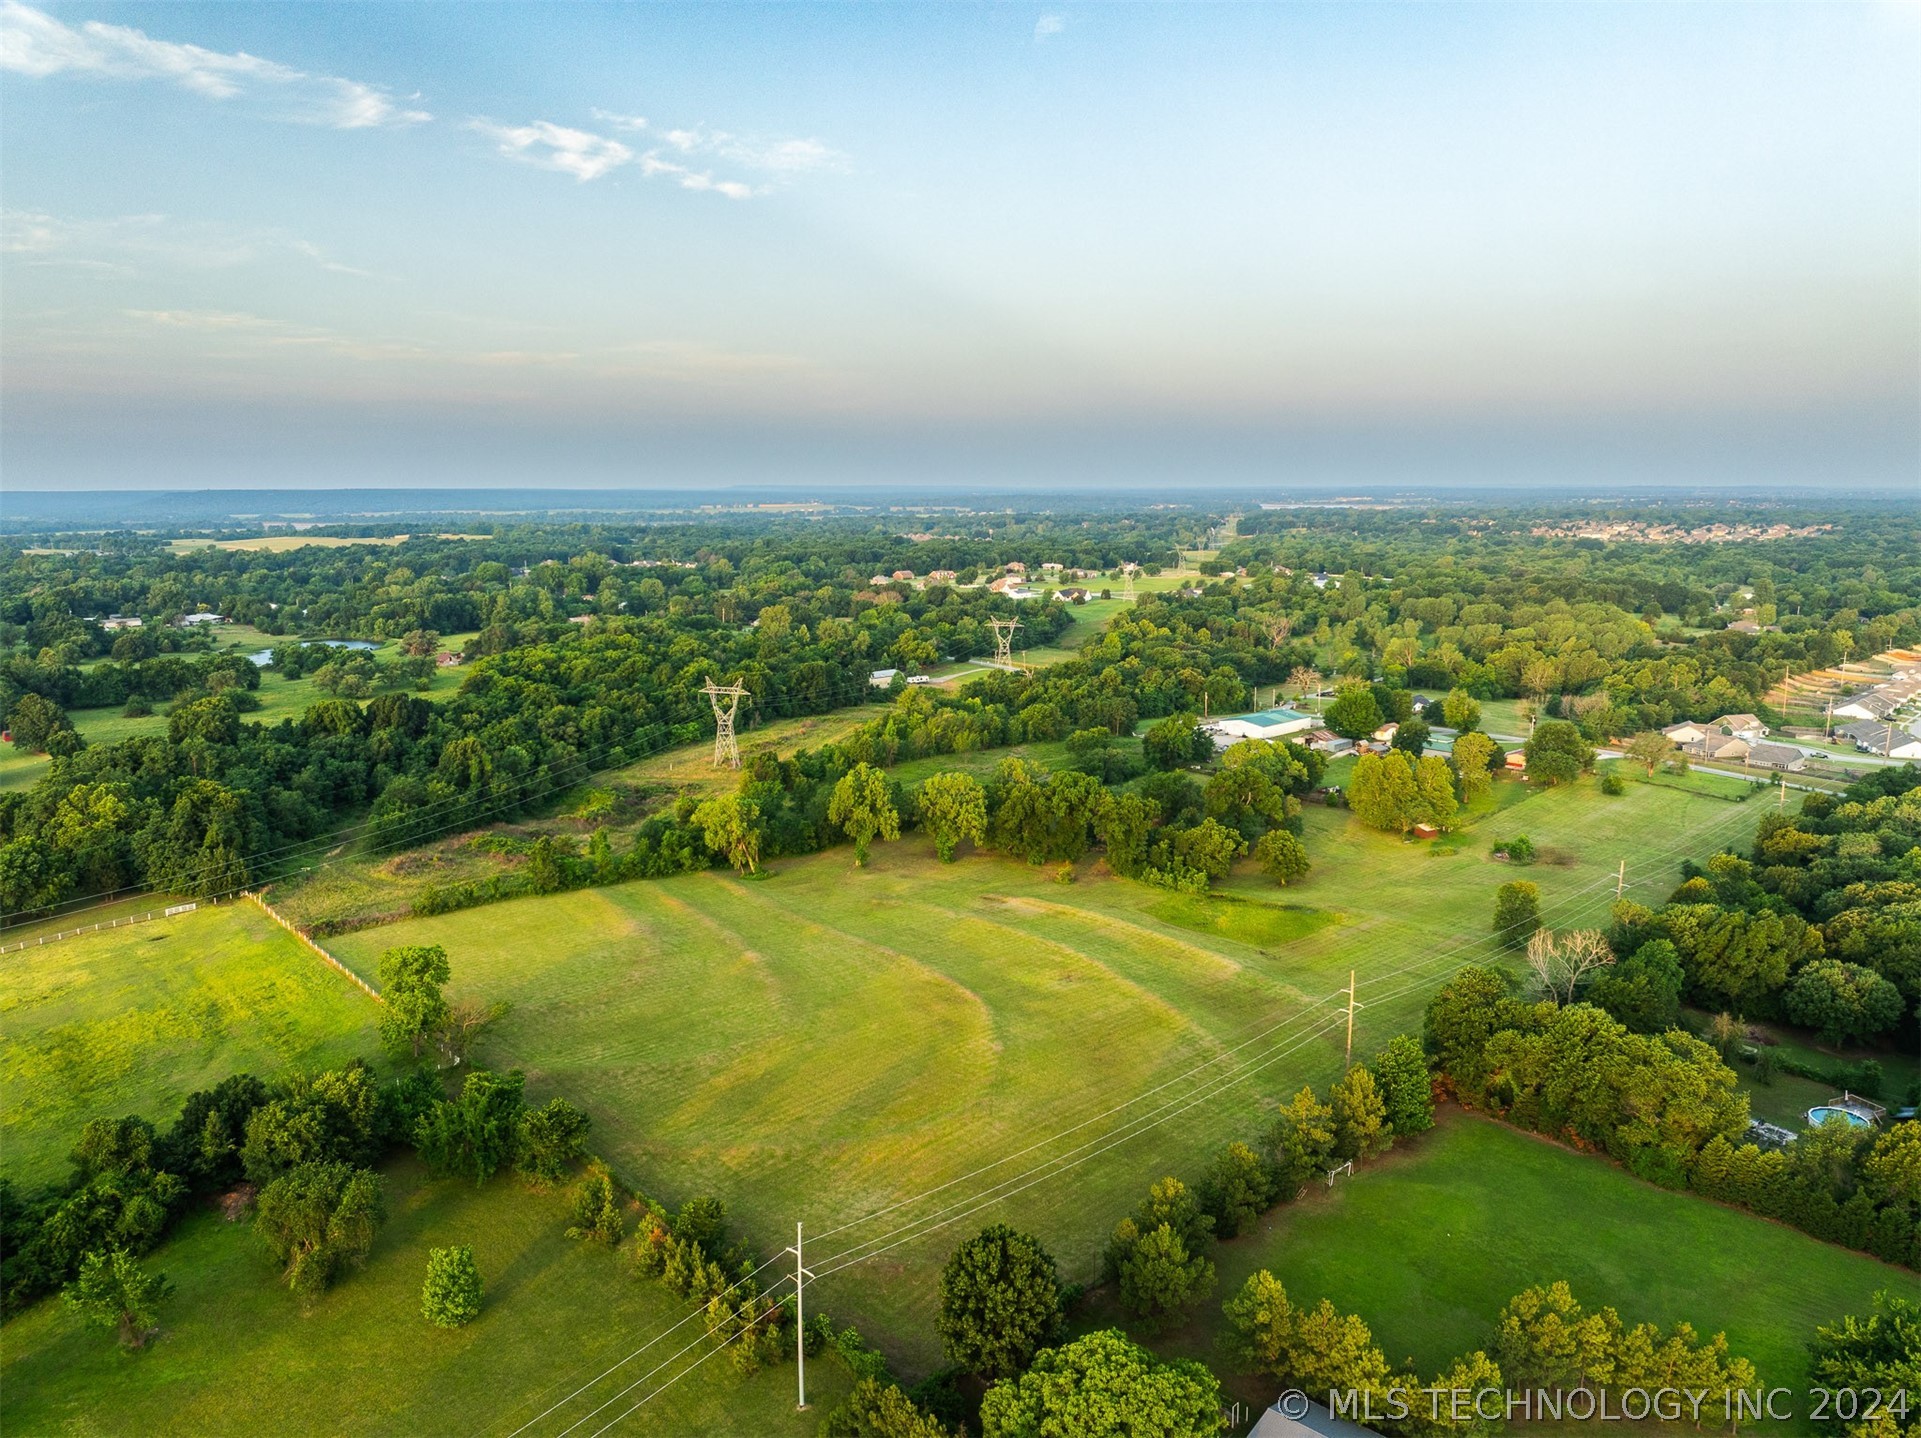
824, 1044
1430, 1243
237, 1356
132, 1020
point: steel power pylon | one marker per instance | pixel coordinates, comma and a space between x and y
1127, 581
1004, 640
726, 751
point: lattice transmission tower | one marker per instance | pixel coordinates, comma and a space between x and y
726, 751
1127, 581
1004, 640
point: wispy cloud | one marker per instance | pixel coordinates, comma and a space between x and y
127, 244
1049, 25
580, 153
779, 156
34, 43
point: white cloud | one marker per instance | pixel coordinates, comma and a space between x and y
126, 244
588, 156
33, 43
1049, 25
580, 153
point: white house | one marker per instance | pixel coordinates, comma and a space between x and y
1687, 732
1872, 705
1265, 724
1884, 740
1743, 726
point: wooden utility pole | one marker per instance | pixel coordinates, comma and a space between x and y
801, 1275
1349, 1063
1621, 879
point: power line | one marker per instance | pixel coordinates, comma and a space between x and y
1038, 1173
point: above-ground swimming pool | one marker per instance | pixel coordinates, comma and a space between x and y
1821, 1114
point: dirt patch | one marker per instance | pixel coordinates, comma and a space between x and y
237, 1203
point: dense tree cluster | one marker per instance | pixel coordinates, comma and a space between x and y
1666, 1106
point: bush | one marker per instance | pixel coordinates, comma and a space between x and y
1517, 912
451, 1295
1613, 784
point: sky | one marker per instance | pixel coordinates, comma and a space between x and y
303, 245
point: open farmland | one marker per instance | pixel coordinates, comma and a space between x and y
824, 1043
1429, 1244
131, 1020
240, 1356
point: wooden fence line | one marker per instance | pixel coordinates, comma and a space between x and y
270, 912
167, 913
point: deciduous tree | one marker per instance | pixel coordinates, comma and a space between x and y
953, 806
1000, 1302
1103, 1386
863, 806
411, 979
450, 1298
112, 1290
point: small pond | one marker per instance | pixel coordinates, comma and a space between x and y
264, 657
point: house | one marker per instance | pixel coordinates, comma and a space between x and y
1871, 705
1720, 746
1744, 626
879, 579
881, 678
1885, 740
1264, 724
582, 618
942, 576
1013, 587
1052, 567
1742, 726
1862, 733
186, 620
1426, 831
121, 621
1325, 580
904, 574
1304, 1419
1686, 732
1516, 761
1015, 567
1385, 734
1326, 741
1784, 757
446, 658
1072, 594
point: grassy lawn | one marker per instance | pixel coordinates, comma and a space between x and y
823, 1042
237, 1356
132, 1020
1429, 1244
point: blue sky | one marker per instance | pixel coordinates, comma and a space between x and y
258, 244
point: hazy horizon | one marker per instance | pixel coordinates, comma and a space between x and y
1006, 246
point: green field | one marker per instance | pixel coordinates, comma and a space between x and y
824, 1042
1429, 1244
131, 1020
237, 1356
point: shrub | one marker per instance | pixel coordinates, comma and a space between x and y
451, 1295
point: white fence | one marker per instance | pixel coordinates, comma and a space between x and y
119, 923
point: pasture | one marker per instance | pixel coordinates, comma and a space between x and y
132, 1020
825, 1043
1429, 1243
236, 1355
